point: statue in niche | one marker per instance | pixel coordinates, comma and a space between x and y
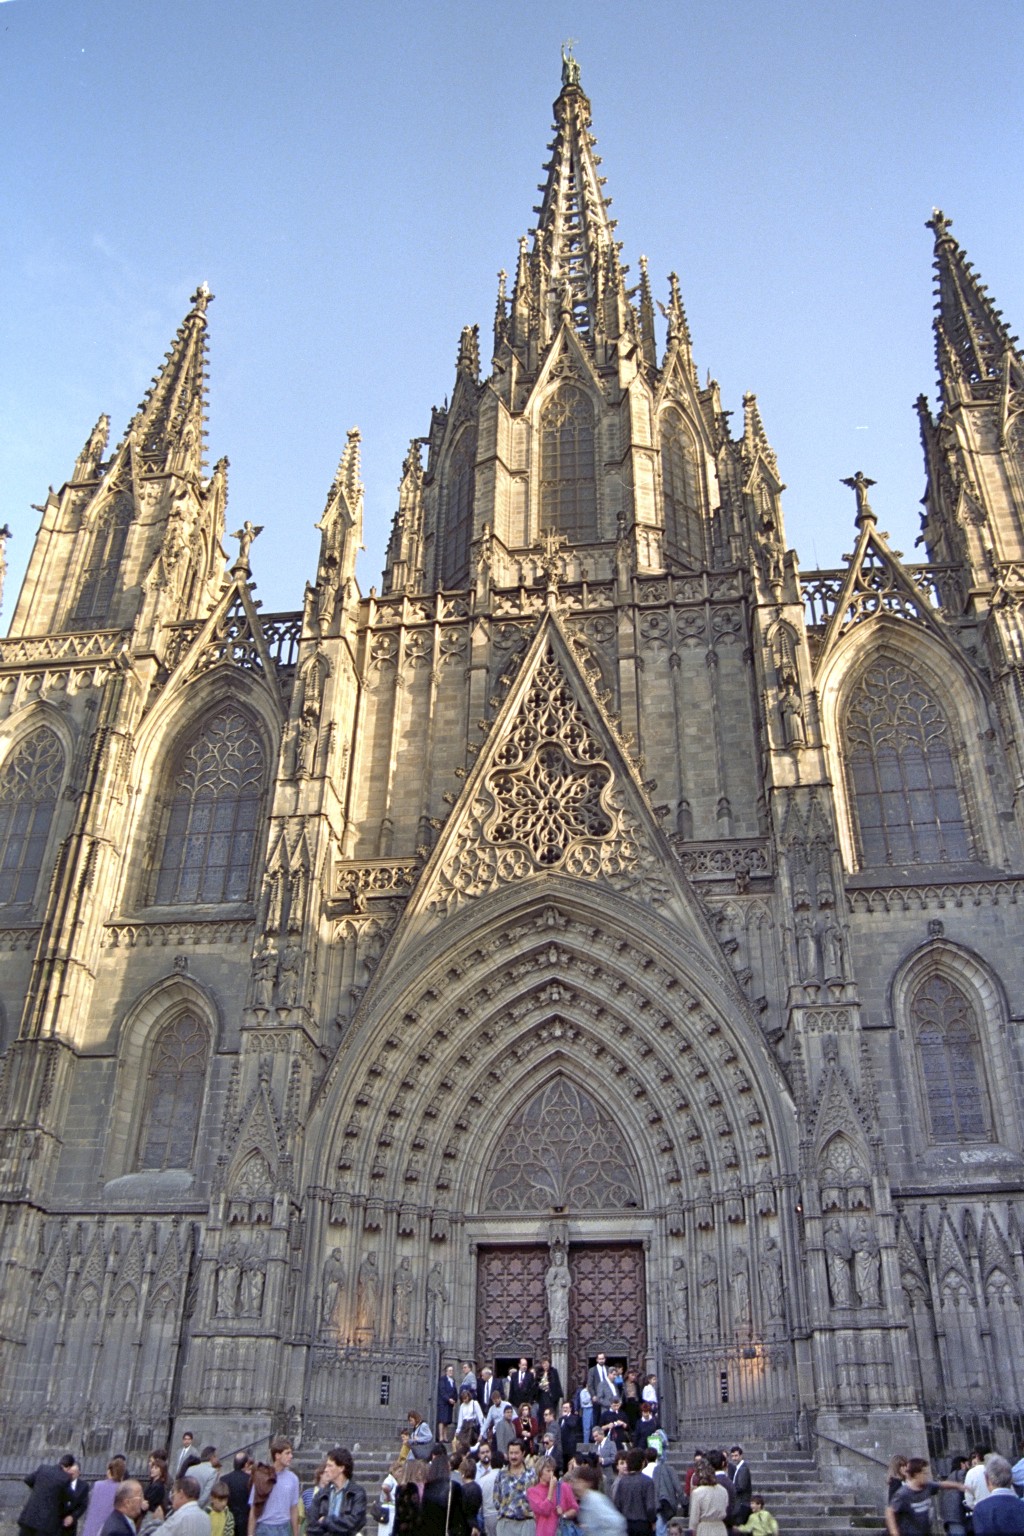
791, 709
367, 1294
806, 947
680, 1301
832, 948
263, 965
867, 1264
772, 1282
309, 735
739, 1285
288, 976
556, 1284
333, 1290
708, 1297
253, 1282
228, 1282
437, 1298
838, 1254
401, 1310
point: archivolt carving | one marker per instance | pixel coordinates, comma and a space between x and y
562, 1151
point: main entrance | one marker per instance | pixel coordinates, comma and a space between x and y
607, 1304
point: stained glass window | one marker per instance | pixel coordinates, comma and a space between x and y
682, 495
103, 563
946, 1028
174, 1095
459, 523
29, 785
213, 816
568, 481
905, 793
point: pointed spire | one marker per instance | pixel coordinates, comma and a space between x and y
404, 546
87, 465
468, 361
341, 528
574, 230
972, 341
170, 424
647, 338
347, 475
755, 438
501, 313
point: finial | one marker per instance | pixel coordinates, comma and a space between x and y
859, 484
939, 223
200, 299
502, 280
570, 65
245, 536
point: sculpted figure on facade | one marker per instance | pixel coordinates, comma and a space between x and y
228, 1282
772, 1281
838, 1254
867, 1264
709, 1313
739, 1287
437, 1299
368, 1295
556, 1285
401, 1305
333, 1291
680, 1302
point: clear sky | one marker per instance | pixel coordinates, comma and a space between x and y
348, 178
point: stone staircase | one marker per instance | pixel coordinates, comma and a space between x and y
791, 1486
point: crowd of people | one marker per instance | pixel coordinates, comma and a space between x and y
982, 1496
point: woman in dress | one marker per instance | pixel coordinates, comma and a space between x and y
526, 1429
708, 1504
549, 1497
101, 1499
469, 1421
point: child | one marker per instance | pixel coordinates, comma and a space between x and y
762, 1522
222, 1521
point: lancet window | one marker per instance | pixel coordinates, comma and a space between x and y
174, 1095
30, 783
683, 539
568, 477
905, 792
212, 814
103, 562
945, 1026
459, 519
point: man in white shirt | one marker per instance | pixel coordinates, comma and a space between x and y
495, 1414
975, 1486
486, 1473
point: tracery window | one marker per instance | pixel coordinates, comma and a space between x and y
174, 1095
568, 479
904, 788
459, 521
946, 1030
682, 493
213, 815
562, 1150
30, 783
103, 562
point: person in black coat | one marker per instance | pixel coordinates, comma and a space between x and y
548, 1388
741, 1484
522, 1385
447, 1397
570, 1432
129, 1502
239, 1481
78, 1500
47, 1506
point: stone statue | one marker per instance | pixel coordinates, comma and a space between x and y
867, 1264
806, 947
832, 948
771, 1281
368, 1294
556, 1284
402, 1298
708, 1297
253, 1282
288, 976
246, 536
739, 1285
792, 712
263, 965
334, 1288
229, 1273
680, 1301
437, 1297
837, 1259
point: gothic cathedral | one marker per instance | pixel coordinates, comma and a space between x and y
603, 893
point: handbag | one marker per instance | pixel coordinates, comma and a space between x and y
565, 1526
379, 1511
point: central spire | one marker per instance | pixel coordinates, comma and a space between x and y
575, 254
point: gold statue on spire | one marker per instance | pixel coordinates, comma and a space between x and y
570, 65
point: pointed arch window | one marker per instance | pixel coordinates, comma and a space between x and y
945, 1025
30, 783
174, 1095
212, 818
568, 476
461, 482
103, 562
683, 538
903, 782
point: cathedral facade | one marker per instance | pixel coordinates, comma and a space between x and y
605, 895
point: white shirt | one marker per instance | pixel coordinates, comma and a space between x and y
975, 1486
485, 1482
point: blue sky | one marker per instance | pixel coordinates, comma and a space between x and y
349, 177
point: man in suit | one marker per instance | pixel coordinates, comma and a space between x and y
741, 1485
46, 1512
239, 1482
600, 1384
78, 1499
188, 1456
129, 1502
522, 1385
